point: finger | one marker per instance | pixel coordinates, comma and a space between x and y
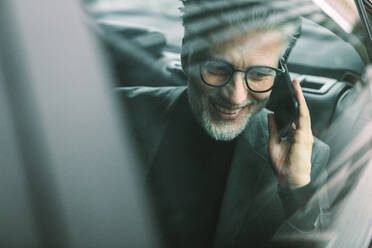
274, 136
304, 114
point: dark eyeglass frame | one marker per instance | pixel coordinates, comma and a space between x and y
233, 70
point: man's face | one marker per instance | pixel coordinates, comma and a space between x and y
225, 111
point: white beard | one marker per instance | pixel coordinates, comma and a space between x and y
224, 130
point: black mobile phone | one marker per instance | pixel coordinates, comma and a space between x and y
283, 102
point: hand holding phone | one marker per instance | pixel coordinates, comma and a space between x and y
291, 158
283, 101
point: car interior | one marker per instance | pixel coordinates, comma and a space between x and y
60, 63
327, 59
327, 73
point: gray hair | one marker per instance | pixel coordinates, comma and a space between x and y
214, 21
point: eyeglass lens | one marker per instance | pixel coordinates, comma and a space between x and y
217, 73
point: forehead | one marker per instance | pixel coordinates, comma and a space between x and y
256, 47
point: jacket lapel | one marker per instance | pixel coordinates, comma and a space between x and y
250, 172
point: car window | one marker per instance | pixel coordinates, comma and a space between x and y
193, 123
329, 59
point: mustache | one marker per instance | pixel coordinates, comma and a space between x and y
228, 105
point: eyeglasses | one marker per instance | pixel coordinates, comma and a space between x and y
218, 73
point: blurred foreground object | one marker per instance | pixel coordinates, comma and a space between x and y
67, 175
349, 185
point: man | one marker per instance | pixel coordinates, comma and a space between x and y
219, 173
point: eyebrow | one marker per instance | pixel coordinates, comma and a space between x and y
219, 59
232, 66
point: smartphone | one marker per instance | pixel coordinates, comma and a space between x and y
283, 102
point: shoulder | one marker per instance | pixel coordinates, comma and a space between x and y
150, 94
148, 103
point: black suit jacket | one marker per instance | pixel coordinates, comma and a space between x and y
253, 206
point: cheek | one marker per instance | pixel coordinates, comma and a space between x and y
261, 96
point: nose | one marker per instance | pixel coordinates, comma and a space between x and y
236, 91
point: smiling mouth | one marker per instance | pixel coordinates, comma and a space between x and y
227, 110
228, 113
